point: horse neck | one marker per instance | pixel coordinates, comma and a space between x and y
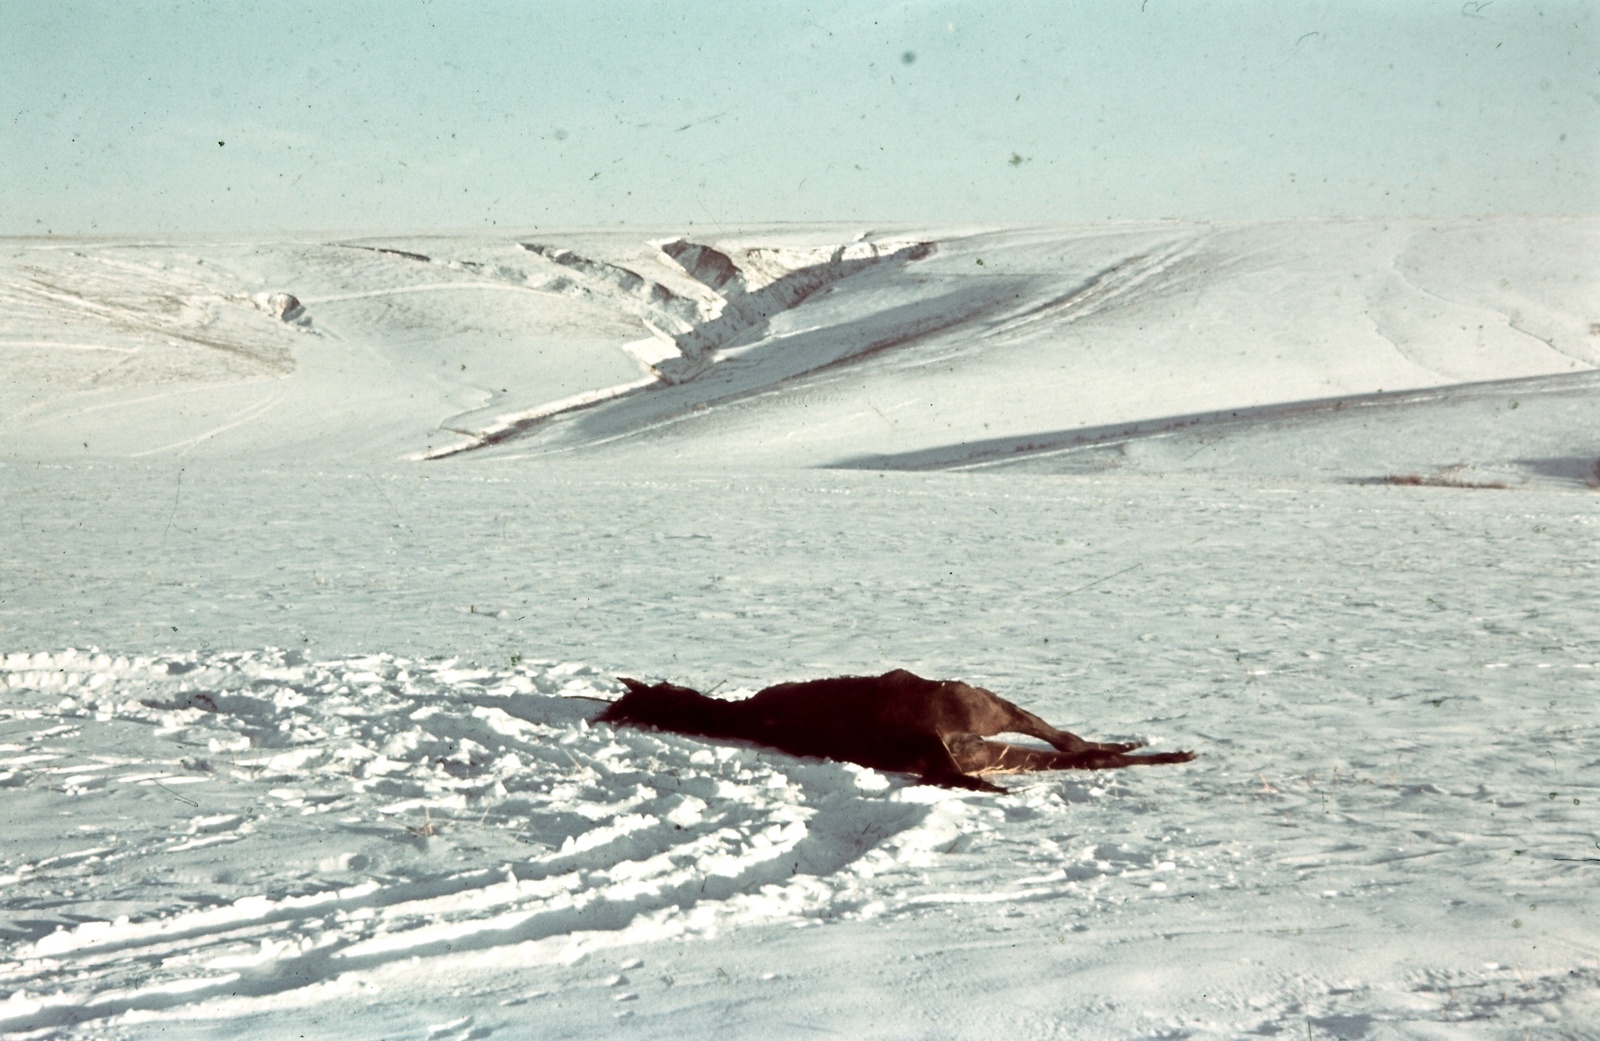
714, 718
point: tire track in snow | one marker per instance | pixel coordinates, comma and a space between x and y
249, 415
1105, 288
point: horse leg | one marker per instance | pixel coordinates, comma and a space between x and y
974, 755
1025, 722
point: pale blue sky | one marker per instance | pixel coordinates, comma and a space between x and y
141, 116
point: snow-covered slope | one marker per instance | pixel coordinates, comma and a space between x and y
316, 554
785, 348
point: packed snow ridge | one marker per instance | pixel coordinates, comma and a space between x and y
735, 308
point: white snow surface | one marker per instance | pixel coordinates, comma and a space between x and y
320, 556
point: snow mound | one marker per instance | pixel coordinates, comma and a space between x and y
745, 316
285, 307
704, 264
658, 306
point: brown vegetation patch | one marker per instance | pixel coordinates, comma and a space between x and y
1435, 481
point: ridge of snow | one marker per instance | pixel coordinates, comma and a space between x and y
735, 314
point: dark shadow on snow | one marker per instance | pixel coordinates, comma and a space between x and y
1001, 450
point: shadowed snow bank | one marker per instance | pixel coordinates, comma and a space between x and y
688, 336
1543, 429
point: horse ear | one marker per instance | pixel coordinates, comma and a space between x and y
634, 686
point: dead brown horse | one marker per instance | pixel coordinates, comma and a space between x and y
898, 721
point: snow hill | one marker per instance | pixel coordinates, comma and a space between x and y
320, 554
790, 347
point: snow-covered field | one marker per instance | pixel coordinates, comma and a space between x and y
303, 603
